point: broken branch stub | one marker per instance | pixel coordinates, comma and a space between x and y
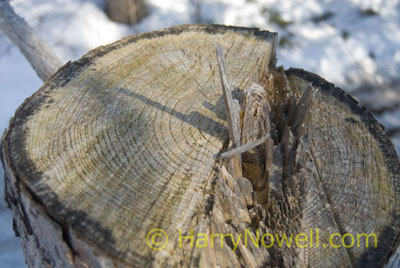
109, 150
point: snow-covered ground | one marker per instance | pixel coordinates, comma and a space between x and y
352, 43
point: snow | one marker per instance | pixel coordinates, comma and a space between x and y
352, 43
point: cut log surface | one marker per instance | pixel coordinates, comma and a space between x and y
123, 141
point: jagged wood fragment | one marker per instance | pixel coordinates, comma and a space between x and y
231, 108
236, 116
255, 119
243, 148
246, 188
302, 111
255, 122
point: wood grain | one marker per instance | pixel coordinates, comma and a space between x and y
123, 141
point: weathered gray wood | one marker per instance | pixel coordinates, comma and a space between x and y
231, 110
40, 56
255, 124
232, 107
243, 148
123, 141
160, 131
344, 187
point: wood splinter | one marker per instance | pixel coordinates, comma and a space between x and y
244, 148
231, 109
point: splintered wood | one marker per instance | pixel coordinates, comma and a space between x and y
249, 124
280, 178
271, 181
244, 148
137, 136
231, 108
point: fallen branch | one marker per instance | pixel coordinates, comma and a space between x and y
40, 55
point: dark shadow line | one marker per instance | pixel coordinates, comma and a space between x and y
214, 128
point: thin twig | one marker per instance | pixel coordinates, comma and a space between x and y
233, 121
244, 148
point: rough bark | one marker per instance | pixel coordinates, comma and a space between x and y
125, 140
41, 56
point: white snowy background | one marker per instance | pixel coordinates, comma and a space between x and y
352, 43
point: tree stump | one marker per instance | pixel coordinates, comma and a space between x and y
126, 11
121, 148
